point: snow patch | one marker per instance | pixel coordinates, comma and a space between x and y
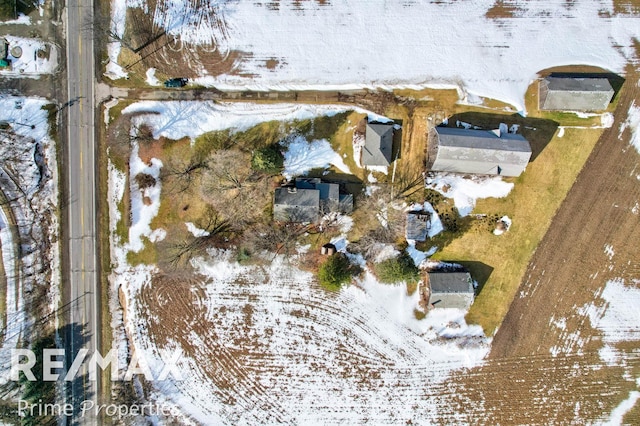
419, 256
118, 16
608, 250
302, 156
179, 119
618, 318
633, 122
151, 77
195, 231
22, 19
617, 415
465, 191
387, 252
506, 222
142, 211
606, 120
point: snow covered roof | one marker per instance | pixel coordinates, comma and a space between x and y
478, 151
451, 289
575, 93
378, 144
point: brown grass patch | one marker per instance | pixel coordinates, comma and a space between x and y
503, 9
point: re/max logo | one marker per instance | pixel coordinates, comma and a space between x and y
53, 365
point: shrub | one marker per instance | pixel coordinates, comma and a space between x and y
400, 268
335, 272
145, 180
243, 256
268, 160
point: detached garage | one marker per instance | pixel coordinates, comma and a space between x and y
575, 94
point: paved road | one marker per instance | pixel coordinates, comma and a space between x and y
81, 287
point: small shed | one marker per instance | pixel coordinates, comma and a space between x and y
378, 144
574, 94
451, 289
328, 249
484, 152
417, 225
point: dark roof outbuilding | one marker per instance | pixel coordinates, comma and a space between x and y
575, 94
451, 289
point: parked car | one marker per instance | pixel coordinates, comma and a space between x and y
176, 82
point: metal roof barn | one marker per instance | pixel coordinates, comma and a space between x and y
482, 152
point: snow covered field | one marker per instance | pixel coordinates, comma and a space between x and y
398, 43
280, 349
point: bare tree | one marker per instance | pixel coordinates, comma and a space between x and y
102, 26
215, 231
228, 169
407, 184
180, 173
275, 238
234, 189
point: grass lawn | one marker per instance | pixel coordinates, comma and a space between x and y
531, 205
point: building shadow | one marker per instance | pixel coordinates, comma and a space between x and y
350, 184
396, 149
480, 272
538, 131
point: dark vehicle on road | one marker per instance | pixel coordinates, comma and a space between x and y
176, 82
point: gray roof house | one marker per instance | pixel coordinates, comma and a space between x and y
485, 152
451, 290
378, 144
574, 94
308, 199
296, 205
418, 223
